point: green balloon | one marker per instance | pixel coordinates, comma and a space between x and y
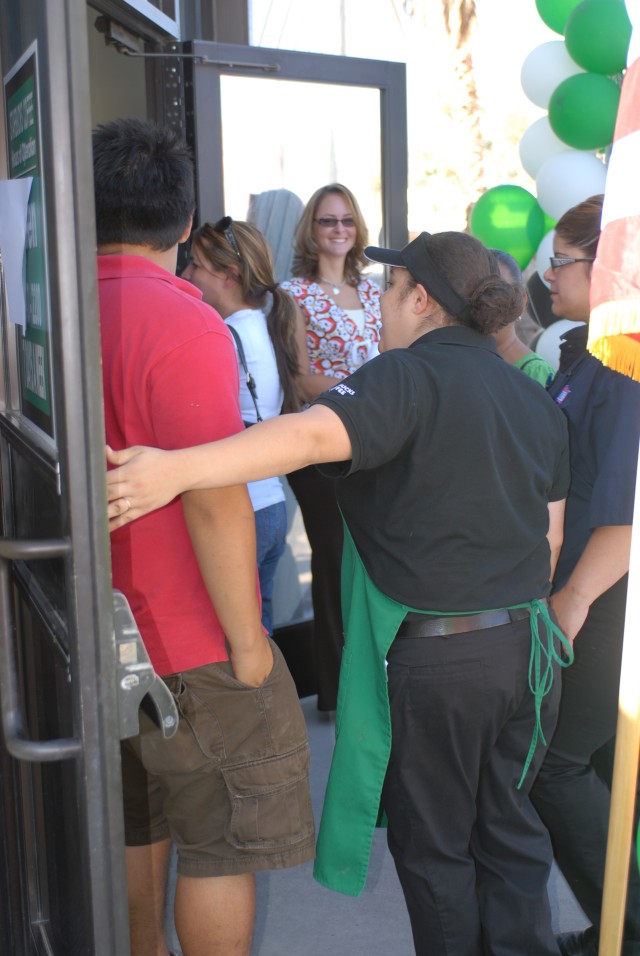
509, 218
597, 36
549, 223
555, 13
583, 110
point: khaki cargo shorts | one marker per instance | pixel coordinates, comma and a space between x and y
231, 787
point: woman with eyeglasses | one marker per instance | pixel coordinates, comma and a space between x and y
232, 265
341, 311
572, 791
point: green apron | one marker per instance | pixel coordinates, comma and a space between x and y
351, 808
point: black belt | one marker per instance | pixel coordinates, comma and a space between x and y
422, 625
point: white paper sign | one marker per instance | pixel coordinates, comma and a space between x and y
14, 198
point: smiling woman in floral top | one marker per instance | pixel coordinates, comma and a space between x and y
341, 310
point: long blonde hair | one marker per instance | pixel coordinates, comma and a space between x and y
305, 259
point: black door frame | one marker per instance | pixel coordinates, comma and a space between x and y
207, 62
74, 467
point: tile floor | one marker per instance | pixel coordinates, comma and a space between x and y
298, 917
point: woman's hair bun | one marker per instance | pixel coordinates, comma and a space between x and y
494, 303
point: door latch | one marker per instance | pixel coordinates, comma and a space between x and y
137, 680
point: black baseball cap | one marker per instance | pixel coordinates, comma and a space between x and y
416, 258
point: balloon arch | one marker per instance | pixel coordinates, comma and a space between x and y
577, 80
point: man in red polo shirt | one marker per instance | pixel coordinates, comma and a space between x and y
189, 573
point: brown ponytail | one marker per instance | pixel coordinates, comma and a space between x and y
281, 323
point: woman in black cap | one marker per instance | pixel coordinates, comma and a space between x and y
453, 469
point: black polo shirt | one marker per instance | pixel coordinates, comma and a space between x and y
455, 457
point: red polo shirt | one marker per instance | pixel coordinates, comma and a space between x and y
170, 380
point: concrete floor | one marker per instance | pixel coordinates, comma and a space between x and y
298, 917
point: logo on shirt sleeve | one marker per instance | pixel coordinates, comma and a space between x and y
342, 389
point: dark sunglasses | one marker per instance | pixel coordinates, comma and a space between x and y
225, 227
328, 222
557, 262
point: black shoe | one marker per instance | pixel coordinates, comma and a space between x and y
583, 943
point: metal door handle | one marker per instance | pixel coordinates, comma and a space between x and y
18, 745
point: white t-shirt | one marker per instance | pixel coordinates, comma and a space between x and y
251, 326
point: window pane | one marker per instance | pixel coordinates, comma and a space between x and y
299, 136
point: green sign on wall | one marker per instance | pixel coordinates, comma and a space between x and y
25, 159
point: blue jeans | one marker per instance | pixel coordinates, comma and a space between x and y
271, 534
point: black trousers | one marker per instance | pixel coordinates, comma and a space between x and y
316, 496
573, 790
471, 853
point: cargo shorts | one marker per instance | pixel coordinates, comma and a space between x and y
231, 787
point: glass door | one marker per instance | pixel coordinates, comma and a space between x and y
262, 119
301, 137
62, 879
268, 127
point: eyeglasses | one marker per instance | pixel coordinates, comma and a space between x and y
557, 262
330, 222
225, 228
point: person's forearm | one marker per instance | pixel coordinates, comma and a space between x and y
555, 534
275, 447
221, 525
554, 555
309, 384
602, 563
149, 478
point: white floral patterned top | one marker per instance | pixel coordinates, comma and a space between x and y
335, 344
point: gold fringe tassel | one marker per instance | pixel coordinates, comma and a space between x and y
610, 329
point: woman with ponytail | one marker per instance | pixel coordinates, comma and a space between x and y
452, 469
232, 265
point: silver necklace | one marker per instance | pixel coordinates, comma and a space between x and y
336, 286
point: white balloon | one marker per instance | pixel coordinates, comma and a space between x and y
544, 69
547, 345
568, 178
544, 253
538, 143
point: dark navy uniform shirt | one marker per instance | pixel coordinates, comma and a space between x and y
603, 413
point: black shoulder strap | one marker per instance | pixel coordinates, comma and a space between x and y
251, 385
529, 359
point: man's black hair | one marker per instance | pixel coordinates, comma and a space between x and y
144, 184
